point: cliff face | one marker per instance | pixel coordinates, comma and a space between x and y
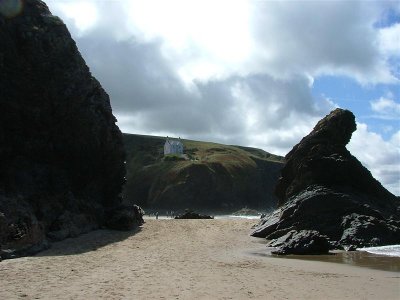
326, 190
213, 176
61, 154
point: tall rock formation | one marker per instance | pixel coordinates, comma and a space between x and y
324, 188
322, 158
61, 153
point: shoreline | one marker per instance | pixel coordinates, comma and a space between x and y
357, 259
184, 259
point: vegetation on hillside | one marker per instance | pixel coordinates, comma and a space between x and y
210, 176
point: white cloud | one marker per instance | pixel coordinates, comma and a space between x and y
220, 28
389, 40
239, 72
381, 157
215, 39
326, 37
386, 108
83, 13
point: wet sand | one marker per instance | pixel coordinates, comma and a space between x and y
184, 259
352, 258
358, 258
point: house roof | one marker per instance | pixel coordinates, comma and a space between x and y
173, 142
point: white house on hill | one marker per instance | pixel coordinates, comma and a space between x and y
173, 147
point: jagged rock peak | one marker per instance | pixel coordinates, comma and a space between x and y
335, 128
322, 158
324, 188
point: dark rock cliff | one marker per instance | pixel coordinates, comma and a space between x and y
61, 154
324, 188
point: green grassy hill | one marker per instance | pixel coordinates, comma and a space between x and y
211, 177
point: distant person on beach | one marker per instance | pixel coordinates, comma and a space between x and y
156, 215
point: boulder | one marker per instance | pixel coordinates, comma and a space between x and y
368, 231
193, 215
300, 243
61, 153
125, 217
324, 188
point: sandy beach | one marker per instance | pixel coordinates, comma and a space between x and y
184, 259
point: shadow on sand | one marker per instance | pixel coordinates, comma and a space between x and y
87, 242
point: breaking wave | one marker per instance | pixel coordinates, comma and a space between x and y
391, 250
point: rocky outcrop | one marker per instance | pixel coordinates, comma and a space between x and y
61, 154
125, 217
321, 158
326, 189
193, 215
301, 242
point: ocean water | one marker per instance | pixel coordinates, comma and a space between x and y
232, 217
236, 217
391, 250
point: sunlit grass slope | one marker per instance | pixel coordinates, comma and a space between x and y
211, 177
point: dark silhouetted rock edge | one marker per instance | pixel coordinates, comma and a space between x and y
193, 215
61, 153
324, 189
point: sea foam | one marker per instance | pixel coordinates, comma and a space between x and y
237, 217
391, 250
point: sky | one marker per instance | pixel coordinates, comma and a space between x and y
251, 73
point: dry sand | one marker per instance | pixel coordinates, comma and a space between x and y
184, 259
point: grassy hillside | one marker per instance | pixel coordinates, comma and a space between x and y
213, 176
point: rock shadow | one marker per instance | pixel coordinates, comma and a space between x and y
87, 242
